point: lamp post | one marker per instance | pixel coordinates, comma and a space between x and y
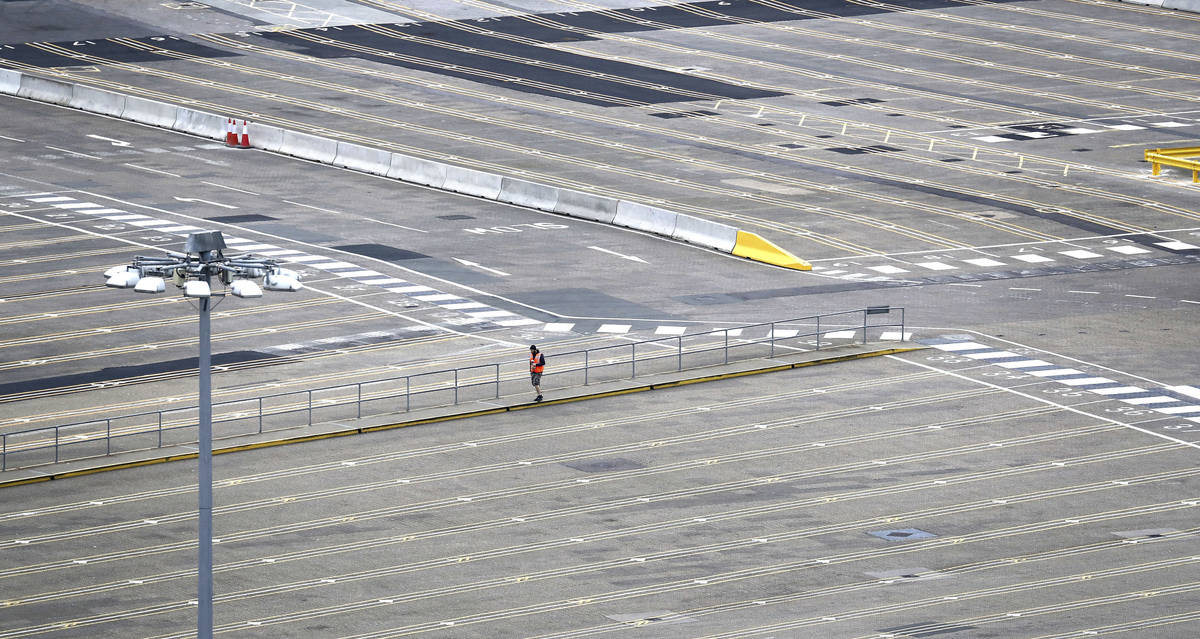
195, 270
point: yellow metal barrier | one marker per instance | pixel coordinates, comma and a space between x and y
1177, 157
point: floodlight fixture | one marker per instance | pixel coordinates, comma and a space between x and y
127, 278
196, 271
245, 289
196, 288
150, 284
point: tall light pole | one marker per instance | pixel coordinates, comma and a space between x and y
195, 271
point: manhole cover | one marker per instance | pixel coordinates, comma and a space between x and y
902, 534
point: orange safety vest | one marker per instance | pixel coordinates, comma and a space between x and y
536, 363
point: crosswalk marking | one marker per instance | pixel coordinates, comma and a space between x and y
936, 266
888, 268
670, 330
1177, 245
1034, 259
614, 328
891, 336
840, 335
1133, 395
558, 327
1127, 250
984, 261
1080, 254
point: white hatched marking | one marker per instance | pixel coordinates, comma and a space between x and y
733, 332
1055, 372
670, 330
784, 333
1176, 245
994, 355
1033, 259
410, 289
254, 247
1127, 250
437, 297
1168, 125
558, 327
937, 266
1081, 254
77, 205
144, 223
491, 314
894, 336
381, 282
465, 305
360, 274
122, 218
1080, 131
993, 138
103, 211
1125, 127
326, 266
522, 321
309, 258
1117, 390
888, 269
840, 335
57, 198
614, 328
983, 261
960, 346
1029, 363
1086, 381
1176, 410
1190, 391
1157, 399
280, 252
177, 229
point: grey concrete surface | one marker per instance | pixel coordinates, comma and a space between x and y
1002, 201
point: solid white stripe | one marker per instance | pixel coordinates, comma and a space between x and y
1086, 381
1029, 363
1175, 410
994, 355
1055, 372
960, 346
1117, 390
1157, 399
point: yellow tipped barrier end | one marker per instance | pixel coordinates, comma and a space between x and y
759, 249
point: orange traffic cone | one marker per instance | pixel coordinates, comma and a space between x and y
244, 140
230, 135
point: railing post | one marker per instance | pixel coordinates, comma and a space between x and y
456, 387
633, 360
3, 452
680, 367
586, 354
260, 416
407, 393
497, 380
727, 346
818, 332
864, 312
772, 339
108, 436
56, 444
310, 408
160, 429
359, 402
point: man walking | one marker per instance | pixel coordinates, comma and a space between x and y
537, 364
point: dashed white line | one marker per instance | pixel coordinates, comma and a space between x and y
1145, 297
145, 168
1085, 292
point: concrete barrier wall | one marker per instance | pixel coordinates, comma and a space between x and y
471, 182
10, 81
700, 232
150, 112
265, 137
645, 218
98, 100
530, 194
459, 179
587, 206
46, 90
309, 147
208, 125
417, 170
363, 158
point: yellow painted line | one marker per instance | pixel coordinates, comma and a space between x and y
456, 416
760, 249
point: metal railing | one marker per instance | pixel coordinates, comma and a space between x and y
406, 393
